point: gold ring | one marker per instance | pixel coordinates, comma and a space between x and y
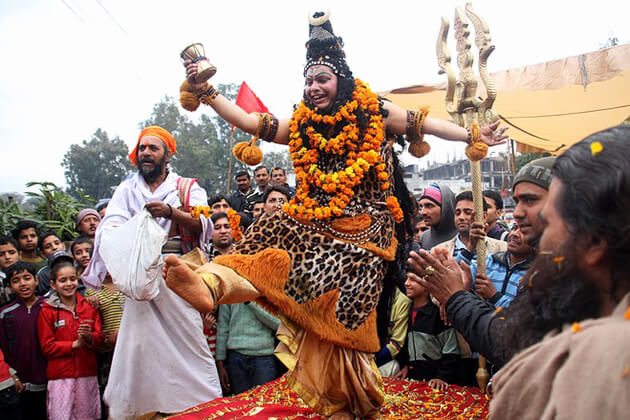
429, 270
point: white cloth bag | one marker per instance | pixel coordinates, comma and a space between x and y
132, 253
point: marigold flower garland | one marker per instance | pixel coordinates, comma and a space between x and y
233, 217
362, 152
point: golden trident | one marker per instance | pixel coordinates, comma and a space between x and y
465, 108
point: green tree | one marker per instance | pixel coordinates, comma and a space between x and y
96, 166
278, 160
52, 209
11, 211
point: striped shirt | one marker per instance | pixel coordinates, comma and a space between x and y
111, 307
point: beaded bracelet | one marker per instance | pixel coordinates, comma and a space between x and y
208, 95
267, 127
415, 123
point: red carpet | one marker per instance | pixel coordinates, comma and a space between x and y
404, 400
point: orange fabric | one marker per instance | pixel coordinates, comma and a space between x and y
268, 272
158, 132
327, 377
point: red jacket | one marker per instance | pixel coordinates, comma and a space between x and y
58, 327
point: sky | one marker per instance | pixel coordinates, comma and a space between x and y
72, 66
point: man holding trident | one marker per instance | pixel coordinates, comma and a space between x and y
320, 262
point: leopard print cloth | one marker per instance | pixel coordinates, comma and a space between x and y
321, 262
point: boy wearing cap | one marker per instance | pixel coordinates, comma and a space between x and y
19, 340
87, 222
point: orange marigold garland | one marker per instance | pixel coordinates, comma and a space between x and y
235, 223
233, 217
362, 154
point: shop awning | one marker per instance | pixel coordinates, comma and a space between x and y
548, 106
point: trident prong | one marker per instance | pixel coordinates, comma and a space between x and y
465, 108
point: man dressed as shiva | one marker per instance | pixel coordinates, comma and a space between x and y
320, 263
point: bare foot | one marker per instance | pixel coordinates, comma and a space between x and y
187, 284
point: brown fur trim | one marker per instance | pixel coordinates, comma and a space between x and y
419, 148
352, 225
476, 151
388, 254
189, 101
269, 271
252, 155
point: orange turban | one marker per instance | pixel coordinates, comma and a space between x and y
158, 132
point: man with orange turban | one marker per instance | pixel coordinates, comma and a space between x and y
161, 361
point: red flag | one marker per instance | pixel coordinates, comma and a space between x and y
248, 100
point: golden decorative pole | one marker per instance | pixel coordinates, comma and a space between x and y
465, 108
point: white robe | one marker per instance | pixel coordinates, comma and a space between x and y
162, 361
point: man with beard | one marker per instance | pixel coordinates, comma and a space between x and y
472, 316
87, 222
570, 329
161, 362
437, 209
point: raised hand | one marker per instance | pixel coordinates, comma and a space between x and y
492, 135
441, 279
191, 73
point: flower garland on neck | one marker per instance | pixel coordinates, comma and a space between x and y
362, 152
233, 217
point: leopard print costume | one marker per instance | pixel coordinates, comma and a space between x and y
322, 261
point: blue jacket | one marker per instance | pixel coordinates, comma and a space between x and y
506, 278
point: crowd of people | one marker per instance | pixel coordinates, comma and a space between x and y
345, 277
57, 337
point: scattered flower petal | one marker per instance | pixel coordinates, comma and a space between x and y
576, 327
625, 371
558, 261
627, 314
596, 147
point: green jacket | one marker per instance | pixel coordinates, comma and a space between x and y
247, 329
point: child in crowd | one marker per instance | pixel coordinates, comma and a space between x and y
110, 303
9, 397
26, 234
19, 340
210, 330
48, 243
431, 350
81, 250
69, 333
8, 255
392, 335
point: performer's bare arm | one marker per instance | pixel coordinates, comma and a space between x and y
396, 123
235, 115
182, 218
